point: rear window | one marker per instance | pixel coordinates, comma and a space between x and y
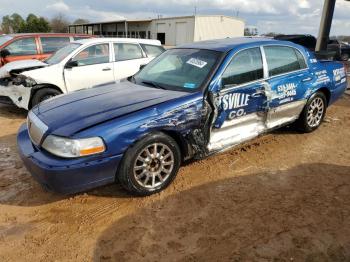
152, 50
126, 51
283, 59
52, 44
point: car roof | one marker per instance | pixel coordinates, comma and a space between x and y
118, 40
227, 44
46, 34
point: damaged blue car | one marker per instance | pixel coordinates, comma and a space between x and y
189, 103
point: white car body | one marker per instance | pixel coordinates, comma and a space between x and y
65, 79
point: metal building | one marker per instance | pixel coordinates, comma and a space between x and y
170, 31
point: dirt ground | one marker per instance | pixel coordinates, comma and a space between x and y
283, 197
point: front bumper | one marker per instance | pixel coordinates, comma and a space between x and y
65, 176
19, 95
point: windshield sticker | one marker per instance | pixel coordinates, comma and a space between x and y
197, 62
189, 85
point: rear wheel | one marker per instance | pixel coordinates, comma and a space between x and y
43, 94
150, 165
313, 113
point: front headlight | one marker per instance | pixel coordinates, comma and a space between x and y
71, 148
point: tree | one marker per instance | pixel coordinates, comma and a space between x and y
80, 21
35, 24
12, 24
250, 31
16, 24
59, 24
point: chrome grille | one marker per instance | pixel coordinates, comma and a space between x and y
36, 128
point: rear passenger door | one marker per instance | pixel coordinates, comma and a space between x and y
288, 81
128, 58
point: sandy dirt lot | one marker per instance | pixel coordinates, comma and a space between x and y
283, 197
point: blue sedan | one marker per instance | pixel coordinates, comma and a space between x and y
189, 103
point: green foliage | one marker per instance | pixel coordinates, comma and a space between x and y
16, 24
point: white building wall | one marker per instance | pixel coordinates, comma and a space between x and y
216, 27
179, 30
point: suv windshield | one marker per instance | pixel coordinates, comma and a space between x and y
179, 69
62, 54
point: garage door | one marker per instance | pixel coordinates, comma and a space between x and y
181, 33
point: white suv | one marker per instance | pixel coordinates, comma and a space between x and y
80, 64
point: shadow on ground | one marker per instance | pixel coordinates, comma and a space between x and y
300, 214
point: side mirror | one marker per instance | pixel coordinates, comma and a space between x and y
142, 66
4, 53
71, 64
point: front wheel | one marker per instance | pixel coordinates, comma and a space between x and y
313, 113
150, 165
43, 94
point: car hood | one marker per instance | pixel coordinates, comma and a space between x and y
21, 66
68, 114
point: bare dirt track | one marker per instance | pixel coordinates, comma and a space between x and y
283, 197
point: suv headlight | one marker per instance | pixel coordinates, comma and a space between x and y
71, 148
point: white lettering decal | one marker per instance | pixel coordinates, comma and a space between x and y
286, 90
235, 100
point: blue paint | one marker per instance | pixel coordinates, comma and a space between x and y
124, 113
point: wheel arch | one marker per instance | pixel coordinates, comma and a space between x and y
326, 92
41, 86
181, 142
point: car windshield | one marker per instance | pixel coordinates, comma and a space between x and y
62, 53
179, 69
4, 39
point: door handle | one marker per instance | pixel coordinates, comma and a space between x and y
106, 69
306, 79
259, 92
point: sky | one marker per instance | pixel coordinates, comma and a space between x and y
280, 16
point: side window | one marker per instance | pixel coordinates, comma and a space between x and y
52, 44
246, 66
283, 59
24, 46
96, 54
152, 50
127, 51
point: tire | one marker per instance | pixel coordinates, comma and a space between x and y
43, 94
313, 113
141, 170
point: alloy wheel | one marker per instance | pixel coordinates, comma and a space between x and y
315, 112
153, 165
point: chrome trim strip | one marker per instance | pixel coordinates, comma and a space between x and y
36, 128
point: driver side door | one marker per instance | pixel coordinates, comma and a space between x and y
241, 101
93, 67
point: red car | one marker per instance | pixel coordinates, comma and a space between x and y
39, 46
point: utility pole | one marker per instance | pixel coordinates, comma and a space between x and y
325, 26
